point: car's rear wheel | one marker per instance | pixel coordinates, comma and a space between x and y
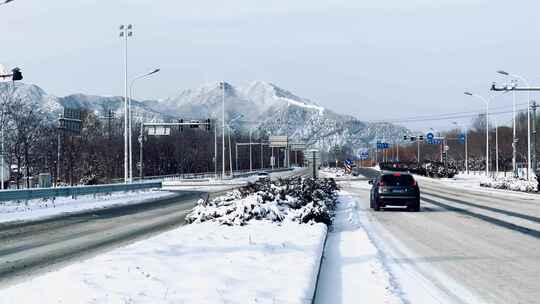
415, 207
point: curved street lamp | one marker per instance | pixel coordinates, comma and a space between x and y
130, 119
486, 101
528, 117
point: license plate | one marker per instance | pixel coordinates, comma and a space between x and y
398, 191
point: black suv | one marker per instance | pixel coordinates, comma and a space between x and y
394, 189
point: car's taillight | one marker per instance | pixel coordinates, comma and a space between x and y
381, 184
414, 183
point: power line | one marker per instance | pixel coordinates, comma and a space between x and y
448, 116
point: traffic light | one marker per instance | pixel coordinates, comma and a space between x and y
405, 137
413, 138
181, 121
421, 138
208, 126
17, 75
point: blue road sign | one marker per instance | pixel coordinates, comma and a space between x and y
383, 146
429, 136
363, 153
462, 138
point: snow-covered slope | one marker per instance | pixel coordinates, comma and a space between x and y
273, 110
264, 106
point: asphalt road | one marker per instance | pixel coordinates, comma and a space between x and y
486, 242
31, 248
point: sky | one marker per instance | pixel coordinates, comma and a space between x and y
386, 60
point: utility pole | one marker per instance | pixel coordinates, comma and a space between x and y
397, 151
272, 160
514, 139
466, 150
109, 118
58, 156
222, 84
534, 159
496, 148
236, 155
230, 153
250, 160
215, 148
262, 155
418, 148
141, 141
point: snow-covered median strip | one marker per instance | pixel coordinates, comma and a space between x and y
37, 209
200, 263
352, 269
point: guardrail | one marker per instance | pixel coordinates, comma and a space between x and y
39, 193
187, 176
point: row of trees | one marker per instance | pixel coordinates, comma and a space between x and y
476, 136
34, 144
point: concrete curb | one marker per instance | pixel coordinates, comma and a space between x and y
320, 267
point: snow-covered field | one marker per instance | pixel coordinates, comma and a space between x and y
37, 209
199, 263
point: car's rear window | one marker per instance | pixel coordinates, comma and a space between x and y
397, 180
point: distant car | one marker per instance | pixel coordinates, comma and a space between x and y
263, 176
395, 189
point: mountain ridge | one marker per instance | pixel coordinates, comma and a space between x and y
266, 108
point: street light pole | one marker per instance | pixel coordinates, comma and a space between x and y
528, 118
497, 147
141, 142
215, 149
125, 33
250, 160
514, 139
487, 127
131, 118
222, 85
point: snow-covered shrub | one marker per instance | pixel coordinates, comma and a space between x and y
303, 200
510, 183
334, 171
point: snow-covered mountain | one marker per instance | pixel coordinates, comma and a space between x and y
264, 107
273, 110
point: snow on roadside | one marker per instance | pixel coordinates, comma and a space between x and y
260, 244
332, 172
199, 263
37, 209
510, 183
472, 182
352, 271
